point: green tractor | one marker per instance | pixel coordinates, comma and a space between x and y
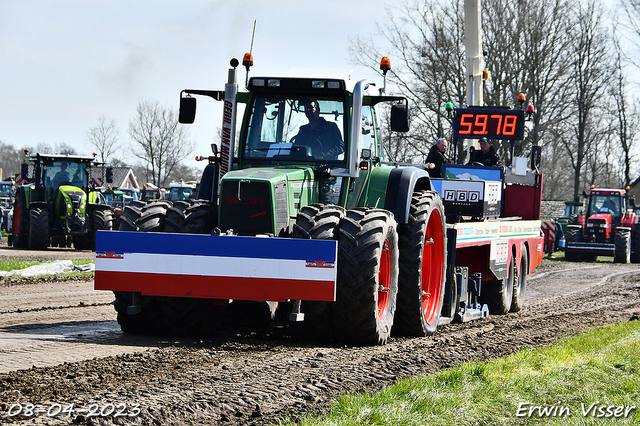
59, 206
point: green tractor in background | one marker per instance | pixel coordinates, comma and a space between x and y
59, 206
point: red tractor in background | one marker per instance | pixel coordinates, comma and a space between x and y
608, 227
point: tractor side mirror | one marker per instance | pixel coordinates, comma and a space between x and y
109, 176
400, 117
24, 171
187, 113
632, 201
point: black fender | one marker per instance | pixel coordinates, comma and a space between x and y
34, 204
403, 182
208, 189
91, 208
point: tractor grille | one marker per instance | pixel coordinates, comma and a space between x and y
597, 229
249, 210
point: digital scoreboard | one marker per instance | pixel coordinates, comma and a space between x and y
490, 123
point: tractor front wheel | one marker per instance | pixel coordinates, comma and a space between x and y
572, 236
20, 221
367, 288
38, 228
318, 222
622, 241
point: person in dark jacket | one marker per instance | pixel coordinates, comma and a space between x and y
487, 154
437, 158
322, 136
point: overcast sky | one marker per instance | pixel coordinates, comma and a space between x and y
64, 63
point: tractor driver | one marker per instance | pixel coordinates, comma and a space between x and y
323, 137
487, 156
62, 176
610, 206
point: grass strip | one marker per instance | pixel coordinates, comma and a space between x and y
12, 265
589, 379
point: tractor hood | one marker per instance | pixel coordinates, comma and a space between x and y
265, 200
70, 200
601, 219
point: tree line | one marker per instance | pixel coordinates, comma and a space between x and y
160, 146
570, 59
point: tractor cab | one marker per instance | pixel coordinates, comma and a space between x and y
605, 210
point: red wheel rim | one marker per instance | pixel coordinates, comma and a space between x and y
432, 267
384, 281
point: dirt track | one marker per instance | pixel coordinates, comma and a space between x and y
248, 377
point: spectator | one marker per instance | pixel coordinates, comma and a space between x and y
437, 158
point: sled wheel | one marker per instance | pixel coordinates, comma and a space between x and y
520, 283
498, 294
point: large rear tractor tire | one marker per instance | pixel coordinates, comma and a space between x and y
103, 220
20, 222
152, 217
319, 222
129, 217
498, 294
622, 241
520, 283
367, 287
38, 228
199, 219
423, 260
174, 217
635, 254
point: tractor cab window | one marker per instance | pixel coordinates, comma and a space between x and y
59, 173
183, 194
5, 190
606, 204
368, 131
296, 129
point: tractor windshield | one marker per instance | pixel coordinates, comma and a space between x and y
59, 172
5, 190
176, 193
301, 129
605, 204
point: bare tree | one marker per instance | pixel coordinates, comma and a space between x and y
526, 45
423, 39
162, 143
104, 138
591, 72
626, 117
10, 160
